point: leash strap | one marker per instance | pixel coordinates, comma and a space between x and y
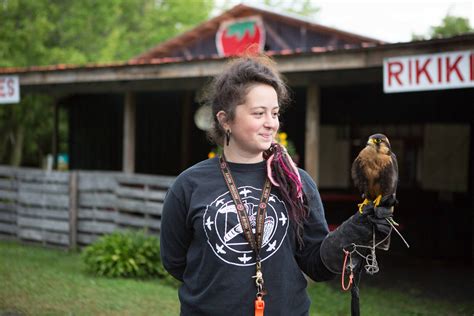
255, 241
355, 306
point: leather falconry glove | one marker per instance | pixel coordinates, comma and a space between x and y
359, 229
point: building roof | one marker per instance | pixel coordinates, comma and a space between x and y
371, 55
291, 24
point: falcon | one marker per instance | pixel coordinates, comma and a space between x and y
375, 171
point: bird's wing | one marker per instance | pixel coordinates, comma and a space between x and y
358, 176
395, 167
388, 177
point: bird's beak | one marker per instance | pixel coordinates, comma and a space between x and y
371, 142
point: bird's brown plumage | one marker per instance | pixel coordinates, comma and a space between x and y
375, 170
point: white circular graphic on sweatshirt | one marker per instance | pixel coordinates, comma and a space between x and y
224, 232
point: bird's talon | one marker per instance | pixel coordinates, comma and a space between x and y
361, 205
377, 200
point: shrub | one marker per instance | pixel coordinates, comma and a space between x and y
131, 254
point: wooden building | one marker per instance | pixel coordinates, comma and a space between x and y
138, 116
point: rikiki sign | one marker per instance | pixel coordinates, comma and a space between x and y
9, 89
429, 72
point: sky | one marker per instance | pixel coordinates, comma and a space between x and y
387, 20
391, 21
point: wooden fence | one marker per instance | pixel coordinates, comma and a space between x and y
71, 209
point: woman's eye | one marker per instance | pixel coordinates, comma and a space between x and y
276, 114
258, 113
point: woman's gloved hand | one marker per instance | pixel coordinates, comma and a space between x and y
358, 229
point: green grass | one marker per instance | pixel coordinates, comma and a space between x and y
331, 300
39, 281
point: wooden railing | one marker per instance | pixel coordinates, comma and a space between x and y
74, 208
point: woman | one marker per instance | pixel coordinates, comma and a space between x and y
241, 229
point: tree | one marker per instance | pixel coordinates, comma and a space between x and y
45, 32
42, 32
450, 26
300, 7
26, 130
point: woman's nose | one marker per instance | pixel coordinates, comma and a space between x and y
271, 121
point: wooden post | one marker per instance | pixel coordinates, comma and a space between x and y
129, 134
185, 126
303, 39
73, 198
313, 101
55, 139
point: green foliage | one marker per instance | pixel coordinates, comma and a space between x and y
45, 32
42, 32
301, 7
450, 26
125, 254
19, 142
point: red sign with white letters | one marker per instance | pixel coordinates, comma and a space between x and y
429, 72
9, 89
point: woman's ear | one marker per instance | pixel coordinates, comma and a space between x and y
223, 119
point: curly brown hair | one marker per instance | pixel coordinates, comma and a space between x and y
229, 89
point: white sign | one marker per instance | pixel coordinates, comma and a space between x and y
9, 89
429, 72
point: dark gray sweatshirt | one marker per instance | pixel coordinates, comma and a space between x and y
202, 243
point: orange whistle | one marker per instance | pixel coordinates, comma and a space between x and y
259, 306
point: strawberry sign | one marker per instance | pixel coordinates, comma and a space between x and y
234, 37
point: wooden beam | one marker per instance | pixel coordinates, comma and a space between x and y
129, 133
73, 199
187, 54
186, 122
55, 138
277, 38
120, 86
313, 104
303, 38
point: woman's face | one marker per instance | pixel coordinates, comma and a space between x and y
256, 121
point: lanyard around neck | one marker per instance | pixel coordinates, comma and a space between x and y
256, 240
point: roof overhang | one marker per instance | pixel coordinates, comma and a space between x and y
190, 74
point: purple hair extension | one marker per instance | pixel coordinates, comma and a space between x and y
282, 173
294, 178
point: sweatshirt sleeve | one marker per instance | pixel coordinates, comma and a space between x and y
315, 230
175, 236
